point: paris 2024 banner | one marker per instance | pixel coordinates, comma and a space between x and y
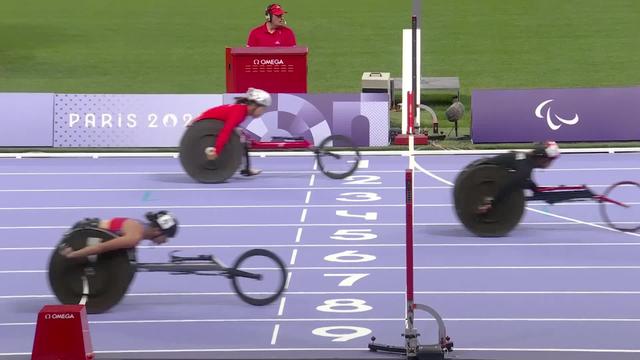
103, 120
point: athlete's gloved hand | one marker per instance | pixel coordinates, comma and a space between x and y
65, 250
486, 205
211, 153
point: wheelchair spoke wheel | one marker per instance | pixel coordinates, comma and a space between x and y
623, 212
338, 157
258, 277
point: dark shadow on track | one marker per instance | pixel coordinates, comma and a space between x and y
522, 231
456, 231
139, 304
173, 178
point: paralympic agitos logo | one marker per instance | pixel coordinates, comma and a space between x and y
551, 120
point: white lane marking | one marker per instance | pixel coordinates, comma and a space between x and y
444, 245
593, 224
274, 337
288, 282
305, 225
359, 349
283, 300
298, 235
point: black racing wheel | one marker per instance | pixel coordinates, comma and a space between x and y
201, 135
99, 281
473, 187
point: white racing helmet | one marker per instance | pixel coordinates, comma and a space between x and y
164, 221
547, 149
258, 96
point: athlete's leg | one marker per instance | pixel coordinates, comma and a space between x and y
247, 171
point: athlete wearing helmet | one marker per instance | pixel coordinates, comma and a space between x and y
253, 103
521, 164
161, 225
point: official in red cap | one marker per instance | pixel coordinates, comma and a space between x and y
273, 32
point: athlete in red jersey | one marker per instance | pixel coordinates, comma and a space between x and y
253, 103
161, 226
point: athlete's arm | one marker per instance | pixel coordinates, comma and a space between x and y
519, 179
236, 116
132, 235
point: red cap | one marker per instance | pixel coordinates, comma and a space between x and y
277, 10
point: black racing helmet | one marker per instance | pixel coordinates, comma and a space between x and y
165, 221
547, 149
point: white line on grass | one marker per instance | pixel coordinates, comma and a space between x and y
303, 216
294, 254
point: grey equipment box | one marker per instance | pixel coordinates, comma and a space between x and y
377, 82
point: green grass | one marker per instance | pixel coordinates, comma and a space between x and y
170, 46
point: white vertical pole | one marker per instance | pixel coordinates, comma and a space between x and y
407, 75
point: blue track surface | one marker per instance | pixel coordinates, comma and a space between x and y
561, 284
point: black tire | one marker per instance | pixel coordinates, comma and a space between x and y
463, 173
614, 215
484, 181
323, 155
107, 276
280, 269
201, 135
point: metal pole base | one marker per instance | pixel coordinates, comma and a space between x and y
423, 353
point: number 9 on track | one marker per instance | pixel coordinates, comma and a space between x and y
342, 333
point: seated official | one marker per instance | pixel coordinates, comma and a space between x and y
273, 32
